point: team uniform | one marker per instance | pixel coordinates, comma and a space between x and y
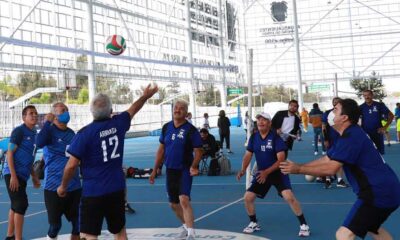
24, 156
372, 180
99, 147
179, 143
371, 121
55, 142
265, 150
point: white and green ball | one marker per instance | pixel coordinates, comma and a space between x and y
115, 44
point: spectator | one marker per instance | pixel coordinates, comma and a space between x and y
224, 130
316, 121
304, 119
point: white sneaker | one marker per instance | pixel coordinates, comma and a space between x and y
323, 152
315, 153
190, 237
304, 231
252, 227
49, 238
183, 234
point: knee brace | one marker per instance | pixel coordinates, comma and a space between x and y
53, 230
75, 227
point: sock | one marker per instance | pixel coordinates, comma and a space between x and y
190, 231
302, 220
184, 226
339, 179
253, 218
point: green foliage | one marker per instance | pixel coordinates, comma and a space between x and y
208, 97
44, 98
7, 90
29, 81
373, 82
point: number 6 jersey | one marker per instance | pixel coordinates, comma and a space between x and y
100, 148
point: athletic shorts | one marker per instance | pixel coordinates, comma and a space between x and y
94, 209
364, 218
57, 206
19, 199
179, 182
377, 139
398, 125
277, 179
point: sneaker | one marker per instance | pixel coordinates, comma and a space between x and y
183, 234
323, 152
328, 184
304, 231
341, 184
229, 151
129, 209
319, 180
252, 227
315, 153
49, 238
190, 237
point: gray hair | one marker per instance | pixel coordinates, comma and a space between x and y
101, 106
53, 107
182, 102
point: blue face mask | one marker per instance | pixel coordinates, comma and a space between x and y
64, 117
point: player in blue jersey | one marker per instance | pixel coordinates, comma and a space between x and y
98, 148
330, 136
269, 150
20, 156
372, 114
178, 140
373, 181
56, 136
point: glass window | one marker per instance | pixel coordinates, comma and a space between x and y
78, 24
4, 10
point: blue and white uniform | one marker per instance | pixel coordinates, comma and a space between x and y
265, 151
371, 120
372, 180
179, 143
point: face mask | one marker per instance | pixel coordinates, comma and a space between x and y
331, 116
64, 117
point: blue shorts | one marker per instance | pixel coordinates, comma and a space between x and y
364, 218
280, 181
179, 182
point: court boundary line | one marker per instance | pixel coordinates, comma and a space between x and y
218, 209
26, 216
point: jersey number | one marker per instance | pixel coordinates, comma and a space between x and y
112, 141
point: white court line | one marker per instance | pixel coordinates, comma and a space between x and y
213, 203
218, 209
29, 215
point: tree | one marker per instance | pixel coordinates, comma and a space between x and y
208, 97
43, 99
372, 82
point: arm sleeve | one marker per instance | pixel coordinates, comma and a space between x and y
78, 146
44, 136
17, 135
280, 145
384, 110
344, 152
162, 135
196, 138
124, 120
250, 145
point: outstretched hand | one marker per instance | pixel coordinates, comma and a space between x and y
150, 90
288, 167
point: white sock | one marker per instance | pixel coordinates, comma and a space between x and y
184, 226
190, 231
339, 179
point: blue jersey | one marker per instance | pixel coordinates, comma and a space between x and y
55, 142
265, 149
332, 134
372, 115
370, 177
24, 156
178, 144
100, 148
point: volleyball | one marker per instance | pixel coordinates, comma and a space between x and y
115, 44
309, 178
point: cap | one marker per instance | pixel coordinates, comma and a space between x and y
264, 115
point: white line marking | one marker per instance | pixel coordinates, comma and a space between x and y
218, 209
29, 215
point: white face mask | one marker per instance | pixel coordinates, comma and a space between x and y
331, 116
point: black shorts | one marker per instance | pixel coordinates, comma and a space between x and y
179, 182
110, 206
364, 218
57, 206
19, 199
280, 181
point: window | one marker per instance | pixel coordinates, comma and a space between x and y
44, 17
16, 8
78, 24
98, 28
4, 10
